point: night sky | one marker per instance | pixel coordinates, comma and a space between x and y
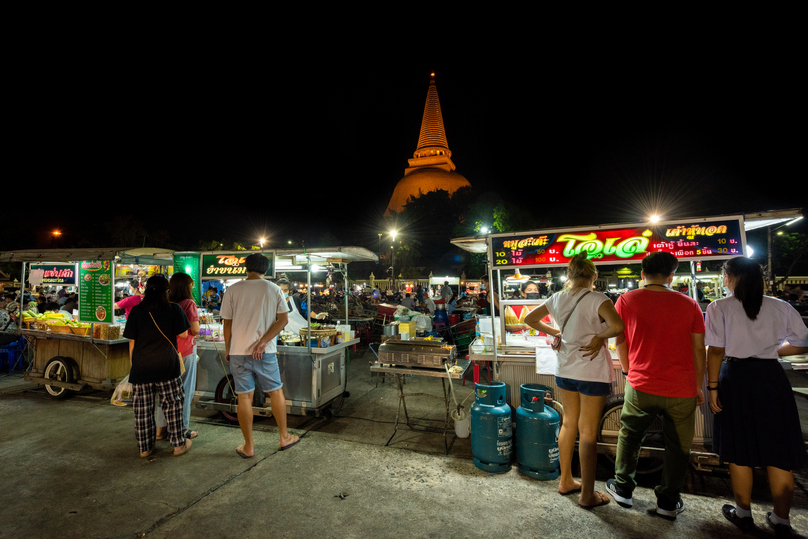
210, 146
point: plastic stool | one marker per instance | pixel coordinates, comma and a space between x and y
9, 356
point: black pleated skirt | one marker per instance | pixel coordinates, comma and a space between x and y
759, 425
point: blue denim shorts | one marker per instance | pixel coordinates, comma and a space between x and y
265, 370
590, 389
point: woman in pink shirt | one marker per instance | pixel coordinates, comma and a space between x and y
136, 294
180, 290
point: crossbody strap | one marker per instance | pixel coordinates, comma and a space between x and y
573, 309
163, 334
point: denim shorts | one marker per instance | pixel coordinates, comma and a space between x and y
265, 370
590, 389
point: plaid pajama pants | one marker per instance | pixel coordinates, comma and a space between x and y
171, 398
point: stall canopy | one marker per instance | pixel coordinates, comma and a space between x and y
752, 221
122, 255
295, 259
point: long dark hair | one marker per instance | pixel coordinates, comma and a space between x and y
179, 287
749, 285
156, 296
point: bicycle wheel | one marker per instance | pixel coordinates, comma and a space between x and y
609, 430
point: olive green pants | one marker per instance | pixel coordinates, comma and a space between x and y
678, 427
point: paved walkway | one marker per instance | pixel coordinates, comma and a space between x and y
70, 469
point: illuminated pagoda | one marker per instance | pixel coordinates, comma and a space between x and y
431, 168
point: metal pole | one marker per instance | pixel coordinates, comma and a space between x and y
345, 273
308, 312
693, 293
769, 271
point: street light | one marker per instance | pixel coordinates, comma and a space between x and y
392, 259
262, 241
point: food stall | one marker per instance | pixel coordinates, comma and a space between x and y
67, 357
521, 355
313, 370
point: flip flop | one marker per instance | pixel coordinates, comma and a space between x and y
190, 433
147, 453
571, 491
285, 447
604, 500
242, 454
185, 449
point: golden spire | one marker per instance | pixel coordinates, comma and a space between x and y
433, 150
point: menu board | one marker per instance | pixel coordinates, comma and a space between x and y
96, 293
228, 265
697, 239
189, 263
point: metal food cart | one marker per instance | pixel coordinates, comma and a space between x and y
313, 378
66, 363
517, 363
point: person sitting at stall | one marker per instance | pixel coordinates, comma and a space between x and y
409, 303
430, 303
7, 326
41, 303
136, 295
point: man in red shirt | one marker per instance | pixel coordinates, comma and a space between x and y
662, 348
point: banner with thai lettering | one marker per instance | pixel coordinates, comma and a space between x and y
231, 265
185, 262
56, 274
696, 239
96, 294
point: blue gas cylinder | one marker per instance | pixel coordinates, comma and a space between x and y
491, 431
441, 316
537, 429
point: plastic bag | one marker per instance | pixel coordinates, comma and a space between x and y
423, 323
122, 393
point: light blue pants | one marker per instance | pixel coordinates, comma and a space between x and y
189, 384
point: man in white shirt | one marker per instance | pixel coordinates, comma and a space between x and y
254, 312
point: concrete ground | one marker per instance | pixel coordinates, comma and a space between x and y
71, 469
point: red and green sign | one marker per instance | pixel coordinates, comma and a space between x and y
96, 294
698, 239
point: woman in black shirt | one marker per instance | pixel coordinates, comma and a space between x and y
152, 329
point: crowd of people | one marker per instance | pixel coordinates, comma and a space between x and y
665, 345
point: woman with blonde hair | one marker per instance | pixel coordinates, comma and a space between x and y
584, 371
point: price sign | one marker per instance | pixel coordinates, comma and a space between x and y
699, 239
96, 296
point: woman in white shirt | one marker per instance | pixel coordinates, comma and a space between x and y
748, 329
584, 372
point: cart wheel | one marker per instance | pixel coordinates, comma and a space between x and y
225, 393
609, 429
59, 369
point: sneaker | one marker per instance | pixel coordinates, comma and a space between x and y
744, 523
671, 513
621, 499
780, 530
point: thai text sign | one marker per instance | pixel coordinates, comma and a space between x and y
56, 274
225, 265
698, 239
96, 295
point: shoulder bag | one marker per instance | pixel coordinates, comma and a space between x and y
182, 363
557, 339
